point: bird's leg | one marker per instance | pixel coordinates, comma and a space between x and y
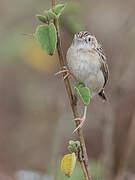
68, 73
82, 120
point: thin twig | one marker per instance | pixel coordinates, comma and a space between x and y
73, 102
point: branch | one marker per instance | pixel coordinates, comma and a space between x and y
73, 102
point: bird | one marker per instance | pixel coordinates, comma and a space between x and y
86, 63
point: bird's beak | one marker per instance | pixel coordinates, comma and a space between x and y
76, 39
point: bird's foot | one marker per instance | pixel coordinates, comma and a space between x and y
82, 120
67, 71
64, 69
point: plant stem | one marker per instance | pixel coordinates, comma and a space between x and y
73, 102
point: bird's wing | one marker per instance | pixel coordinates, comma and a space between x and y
104, 66
105, 70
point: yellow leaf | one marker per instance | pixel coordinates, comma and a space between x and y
68, 164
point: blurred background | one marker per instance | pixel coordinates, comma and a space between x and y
36, 121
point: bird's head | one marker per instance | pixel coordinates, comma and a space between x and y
84, 40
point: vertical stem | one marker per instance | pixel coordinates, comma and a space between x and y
53, 3
73, 102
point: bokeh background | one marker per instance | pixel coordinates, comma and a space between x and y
35, 116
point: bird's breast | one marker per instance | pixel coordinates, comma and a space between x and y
83, 64
86, 68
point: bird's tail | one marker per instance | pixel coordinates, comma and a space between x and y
102, 95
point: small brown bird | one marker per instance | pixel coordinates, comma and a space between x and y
87, 64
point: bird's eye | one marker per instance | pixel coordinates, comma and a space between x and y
89, 39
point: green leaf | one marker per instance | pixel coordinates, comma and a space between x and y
71, 142
82, 92
41, 18
72, 149
50, 15
79, 85
85, 95
58, 9
47, 38
73, 146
